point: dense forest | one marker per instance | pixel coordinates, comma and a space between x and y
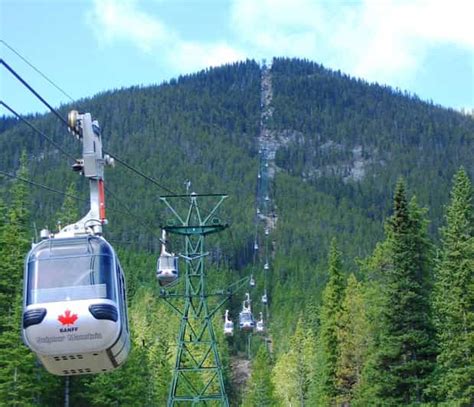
371, 285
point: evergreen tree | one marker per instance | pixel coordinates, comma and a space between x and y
405, 354
260, 391
353, 339
15, 243
454, 298
325, 388
22, 381
293, 371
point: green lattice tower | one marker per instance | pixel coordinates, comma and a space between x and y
197, 375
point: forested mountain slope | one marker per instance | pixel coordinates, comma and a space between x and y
341, 146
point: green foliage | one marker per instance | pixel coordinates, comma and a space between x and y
325, 386
453, 298
343, 143
406, 349
294, 370
353, 340
260, 390
69, 212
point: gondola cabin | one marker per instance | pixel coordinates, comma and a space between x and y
228, 325
252, 281
260, 327
74, 310
228, 328
167, 266
167, 269
246, 321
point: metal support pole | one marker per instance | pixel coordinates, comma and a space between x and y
198, 373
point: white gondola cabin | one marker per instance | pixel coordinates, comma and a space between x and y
260, 327
228, 325
246, 321
252, 281
74, 298
74, 314
167, 266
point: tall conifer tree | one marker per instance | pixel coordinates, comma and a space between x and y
294, 369
325, 389
454, 298
22, 381
352, 334
405, 354
260, 391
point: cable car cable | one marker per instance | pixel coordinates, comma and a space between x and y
115, 157
17, 76
36, 184
56, 113
119, 160
37, 130
36, 69
114, 196
67, 154
57, 191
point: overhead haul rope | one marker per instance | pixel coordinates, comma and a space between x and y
58, 115
128, 211
37, 130
36, 69
64, 121
57, 191
36, 184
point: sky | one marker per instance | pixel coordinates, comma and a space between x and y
425, 47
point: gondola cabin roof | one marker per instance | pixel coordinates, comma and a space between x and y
70, 247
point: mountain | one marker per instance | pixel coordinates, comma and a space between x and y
335, 146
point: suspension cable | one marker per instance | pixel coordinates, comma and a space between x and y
36, 184
57, 191
56, 113
17, 76
128, 210
36, 69
37, 130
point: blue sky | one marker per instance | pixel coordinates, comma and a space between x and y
88, 46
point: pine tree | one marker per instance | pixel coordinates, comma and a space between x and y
454, 298
405, 354
293, 371
15, 243
260, 391
353, 339
21, 379
325, 390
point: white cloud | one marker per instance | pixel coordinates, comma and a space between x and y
383, 41
122, 20
379, 40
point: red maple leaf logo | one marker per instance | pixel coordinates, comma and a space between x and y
67, 318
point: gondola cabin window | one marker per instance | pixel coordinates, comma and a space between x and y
70, 270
